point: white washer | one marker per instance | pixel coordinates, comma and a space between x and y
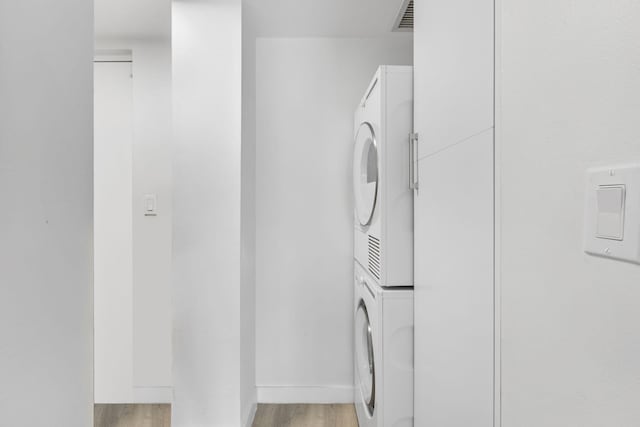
383, 353
383, 214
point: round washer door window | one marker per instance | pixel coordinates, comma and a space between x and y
365, 173
364, 358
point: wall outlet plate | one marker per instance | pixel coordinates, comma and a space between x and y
603, 180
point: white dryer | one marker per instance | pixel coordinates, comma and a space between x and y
383, 214
383, 353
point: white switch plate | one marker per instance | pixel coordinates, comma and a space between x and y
150, 205
612, 212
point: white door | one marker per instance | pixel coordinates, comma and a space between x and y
365, 173
365, 363
453, 214
113, 232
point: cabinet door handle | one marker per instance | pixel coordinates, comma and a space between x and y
413, 161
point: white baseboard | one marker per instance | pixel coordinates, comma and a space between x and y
305, 394
152, 394
248, 421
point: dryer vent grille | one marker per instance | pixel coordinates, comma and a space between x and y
404, 21
374, 257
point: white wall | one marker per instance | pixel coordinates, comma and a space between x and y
152, 329
569, 100
149, 351
207, 83
248, 225
46, 185
307, 91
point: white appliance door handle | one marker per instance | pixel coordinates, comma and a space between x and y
370, 348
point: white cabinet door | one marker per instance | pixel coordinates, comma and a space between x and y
454, 287
453, 71
454, 214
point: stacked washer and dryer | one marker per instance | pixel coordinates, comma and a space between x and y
383, 251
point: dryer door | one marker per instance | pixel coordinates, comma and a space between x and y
365, 173
365, 364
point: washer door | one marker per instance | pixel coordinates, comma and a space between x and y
365, 173
365, 364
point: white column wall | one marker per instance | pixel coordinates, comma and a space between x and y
207, 79
248, 268
46, 219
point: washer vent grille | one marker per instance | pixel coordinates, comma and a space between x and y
374, 257
404, 22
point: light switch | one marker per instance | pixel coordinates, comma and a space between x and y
612, 212
150, 205
610, 222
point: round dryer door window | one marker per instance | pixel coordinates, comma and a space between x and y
364, 358
365, 173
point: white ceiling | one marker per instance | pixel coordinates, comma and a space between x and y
321, 18
267, 18
132, 19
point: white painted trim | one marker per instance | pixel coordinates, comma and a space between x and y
152, 395
113, 55
248, 421
305, 394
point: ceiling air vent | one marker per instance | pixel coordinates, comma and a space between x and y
404, 21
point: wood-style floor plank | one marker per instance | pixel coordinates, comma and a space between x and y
299, 415
132, 415
289, 415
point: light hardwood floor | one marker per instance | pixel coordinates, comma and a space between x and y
132, 415
294, 415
